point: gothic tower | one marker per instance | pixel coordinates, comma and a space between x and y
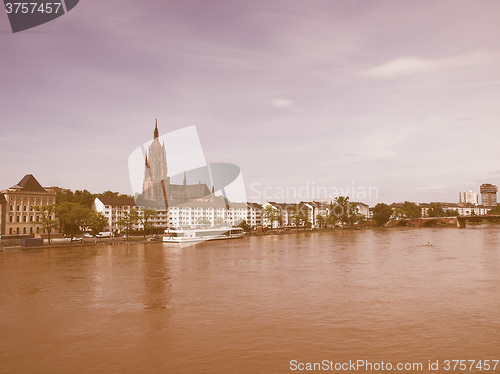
155, 170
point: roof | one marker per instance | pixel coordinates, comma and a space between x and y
29, 184
283, 206
303, 204
190, 191
117, 201
448, 205
217, 203
323, 204
291, 206
236, 205
255, 206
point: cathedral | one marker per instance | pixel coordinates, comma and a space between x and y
155, 170
157, 187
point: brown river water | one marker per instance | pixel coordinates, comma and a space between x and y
263, 304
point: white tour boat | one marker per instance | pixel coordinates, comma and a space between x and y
189, 235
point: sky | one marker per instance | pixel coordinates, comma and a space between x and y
392, 100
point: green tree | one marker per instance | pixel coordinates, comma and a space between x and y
244, 225
109, 194
334, 213
495, 211
382, 213
411, 210
128, 220
435, 210
271, 214
72, 217
452, 213
298, 218
345, 210
360, 218
320, 220
84, 198
95, 221
146, 219
45, 218
398, 212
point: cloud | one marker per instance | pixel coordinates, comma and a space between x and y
279, 102
407, 66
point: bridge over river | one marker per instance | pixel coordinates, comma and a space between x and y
460, 221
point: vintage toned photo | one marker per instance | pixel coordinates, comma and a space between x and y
249, 186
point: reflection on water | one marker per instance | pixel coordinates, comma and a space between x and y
252, 305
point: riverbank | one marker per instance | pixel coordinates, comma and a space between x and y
58, 243
433, 222
85, 242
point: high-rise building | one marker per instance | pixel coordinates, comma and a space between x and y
489, 194
468, 197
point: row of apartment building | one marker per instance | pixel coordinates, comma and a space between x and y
17, 215
217, 211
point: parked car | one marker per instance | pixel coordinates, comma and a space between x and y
104, 234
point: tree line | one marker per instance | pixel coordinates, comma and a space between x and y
74, 212
344, 212
382, 213
144, 217
341, 211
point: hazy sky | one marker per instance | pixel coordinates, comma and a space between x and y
400, 95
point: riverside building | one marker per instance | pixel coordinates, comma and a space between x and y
489, 194
18, 216
468, 197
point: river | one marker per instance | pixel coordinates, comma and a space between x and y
261, 304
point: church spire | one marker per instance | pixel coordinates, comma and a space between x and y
156, 129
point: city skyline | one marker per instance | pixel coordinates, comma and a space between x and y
487, 195
397, 96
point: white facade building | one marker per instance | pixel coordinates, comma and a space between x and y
216, 212
466, 210
114, 208
193, 213
286, 210
213, 213
468, 197
363, 209
254, 215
